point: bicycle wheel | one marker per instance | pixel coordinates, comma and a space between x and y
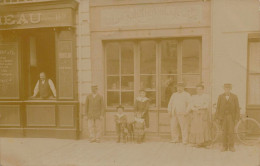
248, 131
215, 132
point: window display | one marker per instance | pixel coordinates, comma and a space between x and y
154, 66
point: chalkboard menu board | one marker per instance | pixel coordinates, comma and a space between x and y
9, 77
65, 65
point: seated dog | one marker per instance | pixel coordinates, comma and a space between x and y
130, 132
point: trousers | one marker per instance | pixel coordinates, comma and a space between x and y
228, 125
95, 128
180, 127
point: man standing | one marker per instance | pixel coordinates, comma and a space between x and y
94, 113
44, 87
177, 109
227, 114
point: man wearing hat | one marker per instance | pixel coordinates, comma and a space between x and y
94, 113
227, 114
177, 109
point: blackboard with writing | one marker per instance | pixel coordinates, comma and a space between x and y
9, 78
65, 65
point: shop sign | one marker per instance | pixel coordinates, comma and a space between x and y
11, 19
36, 19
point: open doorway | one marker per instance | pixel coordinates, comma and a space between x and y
38, 48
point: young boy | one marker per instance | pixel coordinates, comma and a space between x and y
139, 126
121, 124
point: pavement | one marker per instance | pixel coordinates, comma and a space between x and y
60, 152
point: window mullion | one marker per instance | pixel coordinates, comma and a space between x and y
158, 74
179, 60
120, 75
136, 69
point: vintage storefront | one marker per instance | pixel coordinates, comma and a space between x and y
122, 46
38, 37
149, 45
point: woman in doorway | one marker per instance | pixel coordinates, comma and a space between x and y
199, 107
142, 106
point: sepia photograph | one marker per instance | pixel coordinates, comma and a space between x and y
129, 82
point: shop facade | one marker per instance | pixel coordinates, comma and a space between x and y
152, 46
122, 46
34, 38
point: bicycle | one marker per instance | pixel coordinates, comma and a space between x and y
247, 130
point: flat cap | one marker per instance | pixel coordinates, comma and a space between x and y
227, 85
181, 84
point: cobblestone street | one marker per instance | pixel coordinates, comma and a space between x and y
55, 152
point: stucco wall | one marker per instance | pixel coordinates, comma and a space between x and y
232, 21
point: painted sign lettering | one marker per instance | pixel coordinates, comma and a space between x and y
31, 18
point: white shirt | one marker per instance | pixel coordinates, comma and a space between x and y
227, 97
198, 102
51, 84
94, 95
179, 103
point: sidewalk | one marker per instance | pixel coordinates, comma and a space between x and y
56, 152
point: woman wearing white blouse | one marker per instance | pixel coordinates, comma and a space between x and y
199, 107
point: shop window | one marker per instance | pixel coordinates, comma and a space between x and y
180, 61
120, 74
191, 63
40, 62
169, 70
148, 69
153, 65
254, 73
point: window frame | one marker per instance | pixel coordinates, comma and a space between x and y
251, 39
158, 74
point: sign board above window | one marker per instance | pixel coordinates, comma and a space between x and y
21, 1
48, 14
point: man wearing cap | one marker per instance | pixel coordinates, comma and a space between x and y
94, 113
177, 109
227, 114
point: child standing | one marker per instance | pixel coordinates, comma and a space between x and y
139, 127
142, 108
121, 123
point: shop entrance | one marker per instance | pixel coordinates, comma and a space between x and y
38, 49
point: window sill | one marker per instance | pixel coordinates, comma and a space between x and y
253, 107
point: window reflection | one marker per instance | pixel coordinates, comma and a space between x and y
112, 52
168, 87
128, 70
169, 57
148, 57
127, 58
191, 56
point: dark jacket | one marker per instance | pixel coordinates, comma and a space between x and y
143, 107
94, 106
228, 107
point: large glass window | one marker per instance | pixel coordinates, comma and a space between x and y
120, 73
148, 69
254, 73
153, 65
